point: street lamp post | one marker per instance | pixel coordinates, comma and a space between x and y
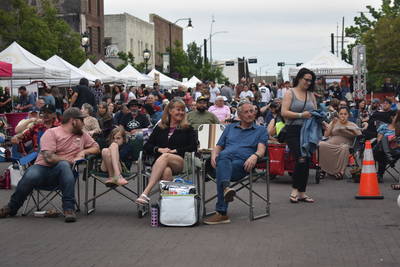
146, 57
211, 35
85, 42
189, 26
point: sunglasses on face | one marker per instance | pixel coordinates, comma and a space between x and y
308, 80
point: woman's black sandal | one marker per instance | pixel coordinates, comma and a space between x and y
306, 199
293, 199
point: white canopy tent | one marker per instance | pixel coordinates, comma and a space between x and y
165, 81
103, 67
325, 64
76, 74
27, 66
89, 67
192, 82
130, 71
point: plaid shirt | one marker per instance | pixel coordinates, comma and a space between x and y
32, 134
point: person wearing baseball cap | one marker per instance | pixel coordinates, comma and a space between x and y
201, 115
47, 119
134, 119
60, 147
219, 109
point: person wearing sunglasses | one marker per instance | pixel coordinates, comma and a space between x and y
297, 105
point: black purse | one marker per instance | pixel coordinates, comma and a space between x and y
283, 133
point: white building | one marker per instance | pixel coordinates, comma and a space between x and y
129, 34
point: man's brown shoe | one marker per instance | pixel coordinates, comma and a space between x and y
229, 194
217, 218
5, 212
70, 216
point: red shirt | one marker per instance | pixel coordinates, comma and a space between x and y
32, 133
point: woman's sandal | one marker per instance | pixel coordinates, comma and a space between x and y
116, 181
111, 182
293, 199
143, 200
395, 186
306, 199
339, 176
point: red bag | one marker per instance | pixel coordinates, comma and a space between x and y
276, 159
5, 180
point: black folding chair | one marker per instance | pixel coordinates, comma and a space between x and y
246, 182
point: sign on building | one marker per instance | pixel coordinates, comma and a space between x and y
112, 50
165, 58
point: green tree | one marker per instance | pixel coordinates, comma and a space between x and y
379, 32
42, 33
128, 58
364, 23
190, 62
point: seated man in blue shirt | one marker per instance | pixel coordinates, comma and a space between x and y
234, 156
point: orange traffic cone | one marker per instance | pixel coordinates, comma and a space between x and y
368, 188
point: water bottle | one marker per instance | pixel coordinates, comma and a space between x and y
154, 215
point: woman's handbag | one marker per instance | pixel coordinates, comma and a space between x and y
282, 134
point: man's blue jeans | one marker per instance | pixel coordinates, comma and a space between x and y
229, 168
38, 176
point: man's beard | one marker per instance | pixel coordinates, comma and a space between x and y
202, 109
76, 130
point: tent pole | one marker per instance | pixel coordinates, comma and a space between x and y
11, 94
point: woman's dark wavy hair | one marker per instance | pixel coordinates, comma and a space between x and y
344, 107
300, 75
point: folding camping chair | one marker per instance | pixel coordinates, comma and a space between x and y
209, 135
43, 196
94, 173
246, 182
191, 173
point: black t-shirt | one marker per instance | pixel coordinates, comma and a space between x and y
6, 108
379, 116
130, 123
84, 96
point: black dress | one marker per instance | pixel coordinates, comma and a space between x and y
183, 140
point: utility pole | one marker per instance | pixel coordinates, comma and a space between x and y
205, 51
211, 30
342, 38
337, 40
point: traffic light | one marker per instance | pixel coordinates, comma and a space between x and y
299, 64
281, 64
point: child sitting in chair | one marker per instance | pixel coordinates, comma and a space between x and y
115, 156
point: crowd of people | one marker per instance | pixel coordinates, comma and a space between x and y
100, 118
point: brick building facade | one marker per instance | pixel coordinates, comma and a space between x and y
82, 16
161, 36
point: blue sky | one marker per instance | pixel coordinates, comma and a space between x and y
273, 31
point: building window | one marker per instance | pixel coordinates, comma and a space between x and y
99, 8
138, 45
131, 46
99, 40
90, 6
90, 40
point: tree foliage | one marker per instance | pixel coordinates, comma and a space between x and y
40, 31
128, 58
190, 62
379, 31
